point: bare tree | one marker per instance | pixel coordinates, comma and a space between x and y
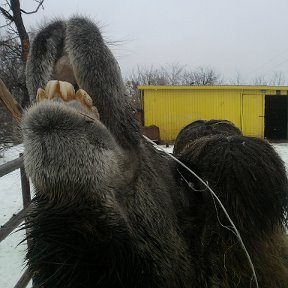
12, 12
260, 80
144, 76
237, 80
173, 74
202, 76
12, 70
14, 47
277, 79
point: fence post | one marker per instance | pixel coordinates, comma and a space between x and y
26, 197
26, 193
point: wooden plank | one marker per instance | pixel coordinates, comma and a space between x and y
11, 166
24, 280
12, 223
10, 103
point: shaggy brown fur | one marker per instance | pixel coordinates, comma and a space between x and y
105, 214
202, 128
250, 179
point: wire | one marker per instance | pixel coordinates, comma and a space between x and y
213, 194
269, 62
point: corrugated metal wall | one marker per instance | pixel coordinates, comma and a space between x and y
171, 110
172, 107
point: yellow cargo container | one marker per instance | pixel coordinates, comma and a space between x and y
257, 110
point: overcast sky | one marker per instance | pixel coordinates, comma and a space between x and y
248, 37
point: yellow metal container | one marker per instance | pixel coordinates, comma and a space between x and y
172, 107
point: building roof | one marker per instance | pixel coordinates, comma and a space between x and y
218, 87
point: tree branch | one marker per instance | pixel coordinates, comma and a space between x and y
8, 24
6, 14
36, 10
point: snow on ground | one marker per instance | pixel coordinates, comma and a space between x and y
11, 254
282, 149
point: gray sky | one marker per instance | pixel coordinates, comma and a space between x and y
248, 37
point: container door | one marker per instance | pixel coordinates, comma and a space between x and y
276, 117
253, 115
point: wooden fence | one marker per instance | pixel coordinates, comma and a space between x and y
16, 219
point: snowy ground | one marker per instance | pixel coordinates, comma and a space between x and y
12, 254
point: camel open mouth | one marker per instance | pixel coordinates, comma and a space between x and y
64, 92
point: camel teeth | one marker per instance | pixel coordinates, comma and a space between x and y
95, 112
83, 96
67, 91
61, 89
64, 92
41, 95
